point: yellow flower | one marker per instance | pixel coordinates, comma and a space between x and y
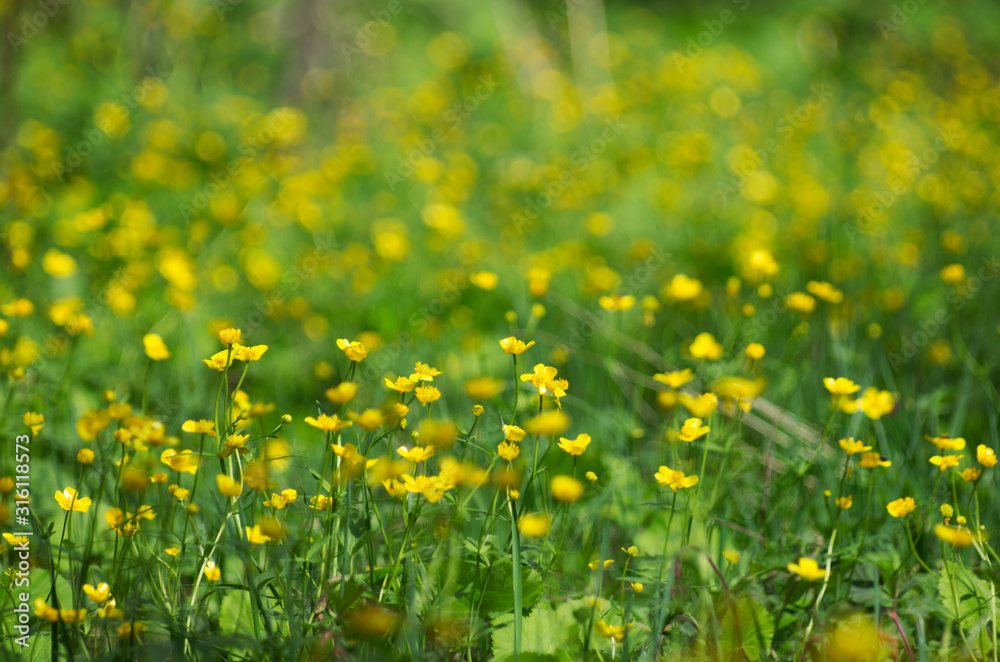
876, 404
227, 486
825, 291
616, 632
957, 536
953, 274
178, 492
845, 502
617, 302
549, 423
417, 454
872, 460
68, 500
199, 427
637, 586
485, 280
477, 410
986, 456
98, 594
483, 388
220, 360
667, 477
514, 346
427, 394
242, 353
840, 386
328, 423
369, 419
683, 288
801, 302
320, 502
131, 629
342, 393
234, 443
355, 351
72, 616
755, 351
732, 556
85, 456
395, 488
851, 446
34, 421
513, 433
693, 429
212, 572
591, 476
808, 569
181, 462
401, 385
576, 446
534, 526
544, 379
901, 507
675, 379
43, 610
971, 474
946, 461
255, 536
701, 406
566, 489
156, 349
173, 551
424, 373
349, 453
18, 308
279, 501
508, 451
594, 565
946, 443
705, 347
230, 336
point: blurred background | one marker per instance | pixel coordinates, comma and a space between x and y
406, 173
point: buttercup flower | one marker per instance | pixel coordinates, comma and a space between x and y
514, 346
575, 446
667, 477
693, 429
946, 461
155, 348
986, 456
566, 489
68, 500
675, 379
355, 351
851, 446
705, 347
808, 569
901, 507
946, 443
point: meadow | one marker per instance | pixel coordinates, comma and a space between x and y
501, 331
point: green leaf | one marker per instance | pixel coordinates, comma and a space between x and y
747, 627
235, 616
546, 635
496, 589
965, 599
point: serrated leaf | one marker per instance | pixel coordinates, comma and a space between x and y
547, 635
747, 628
965, 599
